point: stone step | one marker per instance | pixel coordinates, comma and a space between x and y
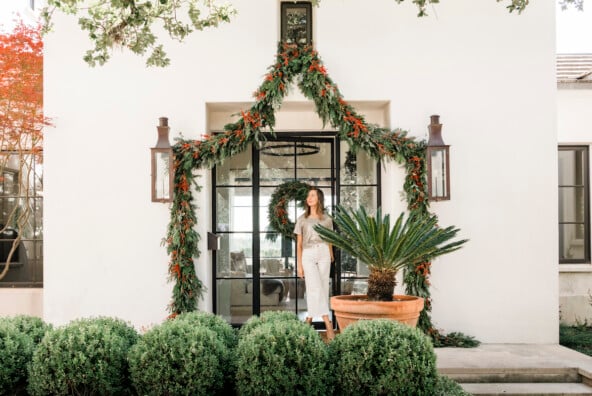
527, 389
512, 375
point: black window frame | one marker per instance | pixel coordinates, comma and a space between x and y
26, 271
307, 6
585, 169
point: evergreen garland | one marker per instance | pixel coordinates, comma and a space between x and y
292, 60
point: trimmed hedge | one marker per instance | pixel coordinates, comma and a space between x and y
446, 386
87, 356
282, 357
227, 334
179, 358
18, 338
16, 349
30, 325
382, 357
266, 317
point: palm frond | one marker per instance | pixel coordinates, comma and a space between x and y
372, 240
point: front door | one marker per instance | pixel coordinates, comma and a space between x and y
255, 267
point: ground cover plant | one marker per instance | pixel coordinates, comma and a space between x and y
577, 337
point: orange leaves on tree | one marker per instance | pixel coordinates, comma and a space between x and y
21, 90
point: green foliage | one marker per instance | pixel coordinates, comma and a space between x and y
454, 339
382, 357
130, 23
31, 325
448, 387
86, 356
16, 350
577, 337
266, 317
179, 357
225, 333
277, 213
282, 357
223, 330
372, 240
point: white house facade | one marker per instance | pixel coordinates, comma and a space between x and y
574, 95
489, 74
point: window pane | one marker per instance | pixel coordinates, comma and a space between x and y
234, 258
572, 204
236, 170
264, 200
355, 197
273, 294
21, 211
276, 161
571, 167
358, 168
270, 248
234, 299
313, 163
234, 207
571, 242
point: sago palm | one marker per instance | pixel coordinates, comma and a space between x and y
387, 250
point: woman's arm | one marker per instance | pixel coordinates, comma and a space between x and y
300, 270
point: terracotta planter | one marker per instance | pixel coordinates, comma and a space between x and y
350, 309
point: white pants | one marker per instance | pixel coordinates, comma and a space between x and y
316, 263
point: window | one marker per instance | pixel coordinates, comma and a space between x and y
574, 218
21, 204
297, 22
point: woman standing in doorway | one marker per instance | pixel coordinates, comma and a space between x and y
314, 257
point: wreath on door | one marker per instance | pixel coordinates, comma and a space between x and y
277, 212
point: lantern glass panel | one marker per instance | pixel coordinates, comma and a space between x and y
438, 175
162, 178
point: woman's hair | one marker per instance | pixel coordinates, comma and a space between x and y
321, 204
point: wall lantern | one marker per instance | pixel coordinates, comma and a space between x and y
163, 173
437, 155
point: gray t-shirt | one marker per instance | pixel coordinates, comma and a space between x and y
304, 226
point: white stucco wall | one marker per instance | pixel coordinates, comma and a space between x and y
489, 74
573, 127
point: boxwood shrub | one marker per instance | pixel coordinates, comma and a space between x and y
282, 357
446, 386
266, 317
227, 334
178, 358
31, 325
86, 356
382, 357
16, 349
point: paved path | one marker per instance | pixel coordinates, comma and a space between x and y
533, 356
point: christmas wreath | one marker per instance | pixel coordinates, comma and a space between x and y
277, 212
